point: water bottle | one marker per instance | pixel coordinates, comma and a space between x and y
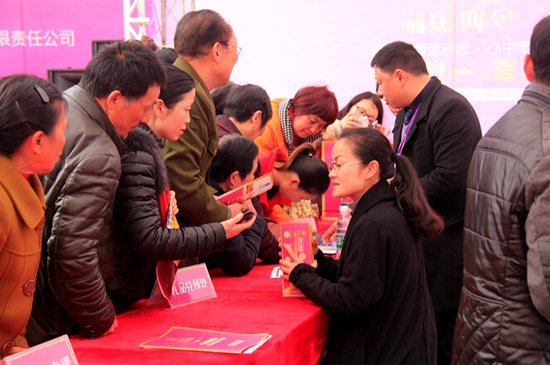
341, 227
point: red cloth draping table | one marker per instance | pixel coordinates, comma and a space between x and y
249, 304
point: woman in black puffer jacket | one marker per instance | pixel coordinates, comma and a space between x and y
145, 207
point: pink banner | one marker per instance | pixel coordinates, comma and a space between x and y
39, 35
56, 351
193, 339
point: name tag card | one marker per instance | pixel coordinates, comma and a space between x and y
54, 352
191, 284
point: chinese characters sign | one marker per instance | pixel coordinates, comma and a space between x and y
54, 34
191, 284
36, 38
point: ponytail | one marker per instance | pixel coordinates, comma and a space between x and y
412, 200
311, 170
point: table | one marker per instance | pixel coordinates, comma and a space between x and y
249, 304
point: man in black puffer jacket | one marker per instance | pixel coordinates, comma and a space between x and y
116, 93
504, 315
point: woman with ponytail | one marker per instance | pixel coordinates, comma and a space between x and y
302, 175
376, 293
146, 230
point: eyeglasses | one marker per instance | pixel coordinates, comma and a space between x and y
239, 49
338, 166
363, 112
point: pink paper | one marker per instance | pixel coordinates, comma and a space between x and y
194, 339
56, 351
247, 191
298, 235
191, 284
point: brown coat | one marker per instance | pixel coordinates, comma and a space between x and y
21, 221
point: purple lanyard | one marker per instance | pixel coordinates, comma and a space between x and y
407, 130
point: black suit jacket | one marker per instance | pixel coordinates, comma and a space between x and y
440, 144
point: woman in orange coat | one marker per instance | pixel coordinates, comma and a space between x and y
32, 126
298, 120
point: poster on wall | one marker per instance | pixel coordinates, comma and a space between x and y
53, 34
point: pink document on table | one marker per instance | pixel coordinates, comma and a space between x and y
196, 339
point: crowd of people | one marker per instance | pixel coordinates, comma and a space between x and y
446, 257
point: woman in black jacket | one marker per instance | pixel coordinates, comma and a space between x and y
376, 293
145, 207
235, 164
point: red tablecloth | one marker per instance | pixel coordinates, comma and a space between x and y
250, 304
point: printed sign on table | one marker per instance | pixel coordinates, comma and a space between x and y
195, 339
191, 284
298, 235
57, 352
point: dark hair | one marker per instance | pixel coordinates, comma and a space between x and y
235, 153
220, 94
540, 50
129, 67
178, 83
27, 104
198, 31
399, 55
367, 95
167, 55
311, 170
371, 145
243, 101
316, 100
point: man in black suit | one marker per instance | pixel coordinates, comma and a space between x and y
437, 129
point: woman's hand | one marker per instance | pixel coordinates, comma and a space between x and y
351, 120
330, 233
233, 226
236, 208
14, 350
247, 205
113, 328
173, 203
292, 260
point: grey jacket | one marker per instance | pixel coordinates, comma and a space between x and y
504, 315
77, 257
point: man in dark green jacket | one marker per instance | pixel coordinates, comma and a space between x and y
207, 50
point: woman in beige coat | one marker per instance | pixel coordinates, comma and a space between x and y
32, 127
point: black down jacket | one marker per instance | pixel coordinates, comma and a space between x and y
140, 240
504, 315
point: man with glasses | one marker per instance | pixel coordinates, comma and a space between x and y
437, 129
207, 51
